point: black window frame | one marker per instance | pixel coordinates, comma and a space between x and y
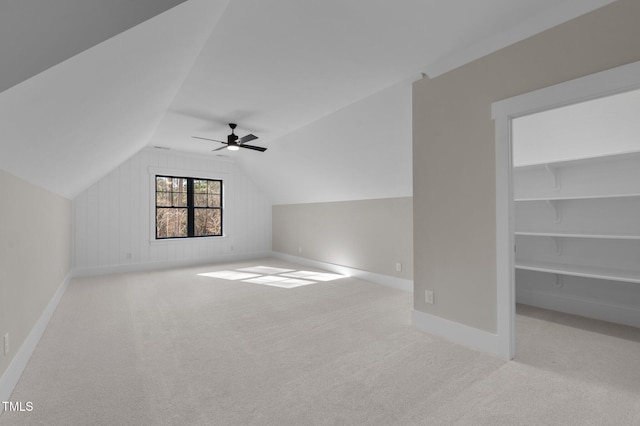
190, 207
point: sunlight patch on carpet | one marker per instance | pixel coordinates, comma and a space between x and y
318, 276
275, 277
284, 283
229, 275
265, 270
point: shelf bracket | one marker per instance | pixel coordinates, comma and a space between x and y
557, 213
555, 176
558, 242
559, 282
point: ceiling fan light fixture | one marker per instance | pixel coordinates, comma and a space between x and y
234, 142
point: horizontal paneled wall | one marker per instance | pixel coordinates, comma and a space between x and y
369, 235
114, 222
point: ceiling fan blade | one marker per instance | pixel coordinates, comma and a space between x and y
256, 148
247, 138
218, 149
207, 139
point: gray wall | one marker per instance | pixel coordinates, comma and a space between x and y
35, 256
369, 235
453, 152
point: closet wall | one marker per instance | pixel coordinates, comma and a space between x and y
577, 213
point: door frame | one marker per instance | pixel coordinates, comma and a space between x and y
606, 83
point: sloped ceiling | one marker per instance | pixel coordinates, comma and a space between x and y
37, 35
65, 128
273, 67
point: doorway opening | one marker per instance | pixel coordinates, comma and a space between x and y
538, 244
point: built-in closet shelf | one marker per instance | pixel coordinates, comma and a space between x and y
623, 156
608, 176
577, 197
577, 235
580, 217
580, 271
595, 216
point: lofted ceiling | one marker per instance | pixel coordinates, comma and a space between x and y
37, 35
274, 67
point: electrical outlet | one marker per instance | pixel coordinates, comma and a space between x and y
428, 297
6, 344
299, 250
398, 266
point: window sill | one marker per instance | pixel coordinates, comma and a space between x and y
166, 241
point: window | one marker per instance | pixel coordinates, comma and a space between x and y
188, 207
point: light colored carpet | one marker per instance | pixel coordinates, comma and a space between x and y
177, 348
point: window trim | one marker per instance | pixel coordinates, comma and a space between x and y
191, 208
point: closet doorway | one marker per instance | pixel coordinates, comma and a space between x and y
559, 187
576, 186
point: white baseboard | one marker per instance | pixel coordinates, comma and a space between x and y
16, 367
153, 266
575, 305
385, 280
458, 333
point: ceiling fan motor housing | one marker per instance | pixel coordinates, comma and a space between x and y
232, 138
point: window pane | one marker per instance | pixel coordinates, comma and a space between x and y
200, 186
179, 184
171, 222
180, 199
200, 200
162, 183
215, 199
163, 199
208, 222
214, 187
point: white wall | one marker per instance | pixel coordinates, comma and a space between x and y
360, 152
114, 221
590, 129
